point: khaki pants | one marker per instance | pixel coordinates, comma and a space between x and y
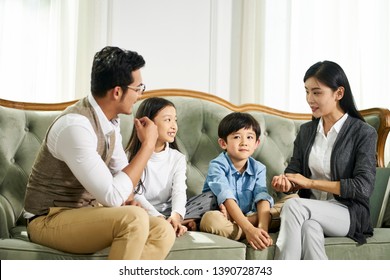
128, 230
216, 223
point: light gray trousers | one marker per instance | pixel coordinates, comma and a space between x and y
304, 223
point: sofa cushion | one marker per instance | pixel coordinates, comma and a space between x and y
20, 249
190, 246
343, 248
205, 246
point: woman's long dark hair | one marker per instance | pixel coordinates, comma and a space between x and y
333, 76
148, 108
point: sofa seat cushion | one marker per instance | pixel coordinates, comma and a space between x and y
340, 248
18, 249
204, 246
190, 246
343, 248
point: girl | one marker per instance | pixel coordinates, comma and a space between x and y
162, 188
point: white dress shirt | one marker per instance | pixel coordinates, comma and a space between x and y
73, 140
319, 159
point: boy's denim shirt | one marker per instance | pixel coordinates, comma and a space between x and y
246, 189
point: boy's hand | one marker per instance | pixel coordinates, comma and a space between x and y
281, 183
258, 238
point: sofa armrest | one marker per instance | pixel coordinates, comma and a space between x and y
4, 222
379, 198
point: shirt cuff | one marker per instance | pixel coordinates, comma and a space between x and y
123, 185
224, 195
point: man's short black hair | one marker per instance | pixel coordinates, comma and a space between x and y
236, 121
113, 67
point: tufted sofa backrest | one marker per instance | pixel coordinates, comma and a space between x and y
197, 138
22, 129
21, 134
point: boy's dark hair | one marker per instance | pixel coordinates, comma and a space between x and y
236, 121
113, 67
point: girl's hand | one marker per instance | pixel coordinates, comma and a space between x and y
177, 226
132, 202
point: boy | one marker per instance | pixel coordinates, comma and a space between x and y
239, 183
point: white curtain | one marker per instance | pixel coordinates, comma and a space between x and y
281, 39
47, 46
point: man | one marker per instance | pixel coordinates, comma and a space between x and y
81, 185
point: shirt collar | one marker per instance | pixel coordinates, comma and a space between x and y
336, 127
249, 165
162, 154
106, 125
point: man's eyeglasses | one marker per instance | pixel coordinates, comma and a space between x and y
140, 89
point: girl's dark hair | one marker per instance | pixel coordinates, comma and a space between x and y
333, 76
236, 121
113, 67
148, 108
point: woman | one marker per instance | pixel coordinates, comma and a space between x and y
332, 168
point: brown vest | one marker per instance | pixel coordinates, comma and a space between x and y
52, 183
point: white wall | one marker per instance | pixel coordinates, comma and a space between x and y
173, 36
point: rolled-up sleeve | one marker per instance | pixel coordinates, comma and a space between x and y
260, 191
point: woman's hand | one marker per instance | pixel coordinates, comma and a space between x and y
300, 180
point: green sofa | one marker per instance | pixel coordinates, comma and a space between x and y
23, 125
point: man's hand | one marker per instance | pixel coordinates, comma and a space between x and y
146, 130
